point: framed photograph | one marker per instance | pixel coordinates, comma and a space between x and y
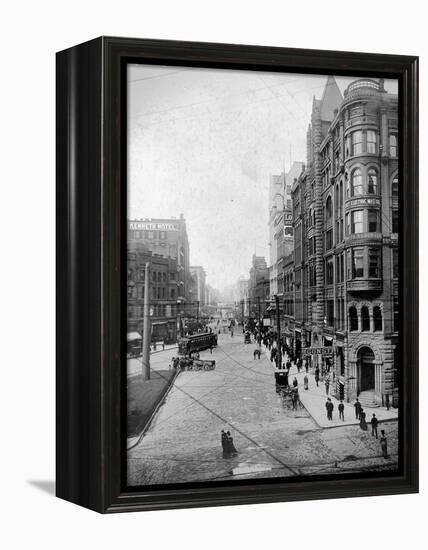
237, 278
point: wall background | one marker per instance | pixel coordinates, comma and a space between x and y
31, 32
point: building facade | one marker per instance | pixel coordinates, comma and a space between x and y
345, 219
165, 237
164, 289
258, 287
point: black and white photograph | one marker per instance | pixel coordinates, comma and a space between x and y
262, 275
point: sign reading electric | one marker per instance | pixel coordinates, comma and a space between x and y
141, 226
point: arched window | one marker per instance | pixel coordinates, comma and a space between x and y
377, 318
353, 318
372, 181
365, 318
328, 212
394, 188
356, 183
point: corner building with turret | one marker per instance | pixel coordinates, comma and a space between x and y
345, 221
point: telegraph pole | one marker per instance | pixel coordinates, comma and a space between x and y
278, 329
146, 328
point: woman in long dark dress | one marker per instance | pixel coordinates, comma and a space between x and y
231, 447
363, 423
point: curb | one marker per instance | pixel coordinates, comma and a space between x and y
156, 409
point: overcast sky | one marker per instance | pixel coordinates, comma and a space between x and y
203, 142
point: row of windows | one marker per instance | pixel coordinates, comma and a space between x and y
364, 325
148, 235
367, 141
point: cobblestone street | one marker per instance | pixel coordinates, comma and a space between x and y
183, 442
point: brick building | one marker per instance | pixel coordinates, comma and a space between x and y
165, 237
163, 293
345, 219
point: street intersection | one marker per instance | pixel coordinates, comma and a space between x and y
182, 443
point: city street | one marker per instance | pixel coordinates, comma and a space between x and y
183, 442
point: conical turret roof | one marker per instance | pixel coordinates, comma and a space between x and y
331, 99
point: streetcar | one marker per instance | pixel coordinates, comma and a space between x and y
134, 342
196, 342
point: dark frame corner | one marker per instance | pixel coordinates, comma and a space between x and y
90, 211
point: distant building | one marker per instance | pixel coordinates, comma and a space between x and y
280, 224
345, 219
164, 289
258, 287
165, 237
199, 285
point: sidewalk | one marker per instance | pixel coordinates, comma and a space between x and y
314, 400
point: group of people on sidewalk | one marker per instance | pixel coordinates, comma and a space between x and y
227, 444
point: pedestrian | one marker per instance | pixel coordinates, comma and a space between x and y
329, 406
383, 444
374, 422
288, 363
306, 382
254, 354
294, 398
295, 383
231, 447
357, 407
317, 375
224, 444
363, 423
341, 408
387, 404
211, 348
306, 365
327, 385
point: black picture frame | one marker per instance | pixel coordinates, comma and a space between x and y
91, 254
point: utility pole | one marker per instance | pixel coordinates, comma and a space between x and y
146, 328
278, 329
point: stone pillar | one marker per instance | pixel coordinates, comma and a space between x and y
371, 322
352, 380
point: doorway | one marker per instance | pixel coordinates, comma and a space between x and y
366, 371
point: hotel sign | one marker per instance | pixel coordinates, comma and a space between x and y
318, 351
149, 226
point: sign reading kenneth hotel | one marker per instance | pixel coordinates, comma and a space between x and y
148, 226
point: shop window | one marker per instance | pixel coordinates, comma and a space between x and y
377, 318
357, 182
353, 319
365, 319
372, 181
